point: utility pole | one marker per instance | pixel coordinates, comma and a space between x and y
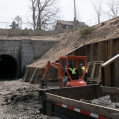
21, 22
75, 14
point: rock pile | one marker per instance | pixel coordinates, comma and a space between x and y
105, 101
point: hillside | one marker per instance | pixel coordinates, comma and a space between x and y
70, 41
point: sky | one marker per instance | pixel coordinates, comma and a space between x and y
82, 8
10, 9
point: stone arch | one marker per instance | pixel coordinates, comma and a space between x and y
8, 67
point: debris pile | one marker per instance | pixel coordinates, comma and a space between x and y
19, 95
22, 104
105, 101
20, 100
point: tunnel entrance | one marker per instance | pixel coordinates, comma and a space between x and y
8, 67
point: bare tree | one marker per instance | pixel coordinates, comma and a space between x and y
44, 13
33, 13
97, 4
114, 8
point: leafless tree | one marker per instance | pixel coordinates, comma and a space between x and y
114, 8
33, 13
44, 13
97, 4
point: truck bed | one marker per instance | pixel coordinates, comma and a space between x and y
67, 103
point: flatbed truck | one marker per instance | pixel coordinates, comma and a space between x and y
67, 102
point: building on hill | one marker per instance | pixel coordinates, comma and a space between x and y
62, 25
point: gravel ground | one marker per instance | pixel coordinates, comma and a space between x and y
19, 100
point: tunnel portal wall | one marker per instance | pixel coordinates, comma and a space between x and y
24, 51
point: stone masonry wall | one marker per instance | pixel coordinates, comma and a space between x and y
40, 47
24, 51
18, 32
12, 48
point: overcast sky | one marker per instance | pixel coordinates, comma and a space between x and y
9, 9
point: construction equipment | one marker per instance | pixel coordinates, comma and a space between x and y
71, 83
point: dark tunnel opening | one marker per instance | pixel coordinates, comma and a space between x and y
8, 67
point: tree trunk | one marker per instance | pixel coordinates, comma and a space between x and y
34, 23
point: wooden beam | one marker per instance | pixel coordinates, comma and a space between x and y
110, 61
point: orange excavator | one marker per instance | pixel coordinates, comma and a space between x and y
59, 66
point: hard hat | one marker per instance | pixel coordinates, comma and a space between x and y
81, 64
69, 63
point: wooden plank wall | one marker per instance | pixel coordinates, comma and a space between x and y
116, 63
103, 51
95, 51
117, 73
88, 53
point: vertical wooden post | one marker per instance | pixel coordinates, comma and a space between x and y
112, 74
95, 52
103, 76
88, 53
107, 76
99, 51
110, 49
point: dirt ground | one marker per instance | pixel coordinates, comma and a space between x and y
19, 100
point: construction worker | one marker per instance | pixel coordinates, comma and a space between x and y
83, 70
73, 72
